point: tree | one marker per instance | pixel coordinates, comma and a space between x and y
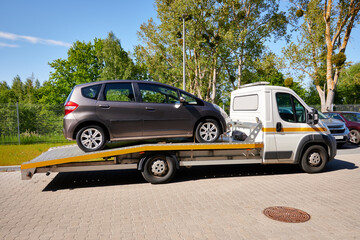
349, 86
217, 45
247, 26
81, 66
115, 60
326, 29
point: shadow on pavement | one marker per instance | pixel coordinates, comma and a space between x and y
127, 177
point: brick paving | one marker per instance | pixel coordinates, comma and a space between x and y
201, 203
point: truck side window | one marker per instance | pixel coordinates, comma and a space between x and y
290, 109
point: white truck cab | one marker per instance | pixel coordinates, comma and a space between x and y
291, 129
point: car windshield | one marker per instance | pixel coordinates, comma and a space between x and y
322, 116
353, 117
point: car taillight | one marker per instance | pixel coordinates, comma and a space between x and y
70, 107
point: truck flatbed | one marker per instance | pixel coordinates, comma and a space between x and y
71, 158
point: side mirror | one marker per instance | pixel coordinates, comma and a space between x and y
180, 103
312, 117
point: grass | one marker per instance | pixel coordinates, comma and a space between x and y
17, 154
32, 138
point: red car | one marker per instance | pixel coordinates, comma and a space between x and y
352, 121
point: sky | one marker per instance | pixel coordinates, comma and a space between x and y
34, 33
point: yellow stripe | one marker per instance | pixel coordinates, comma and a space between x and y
168, 147
309, 129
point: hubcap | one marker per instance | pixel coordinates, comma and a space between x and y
159, 167
354, 136
91, 138
314, 159
208, 131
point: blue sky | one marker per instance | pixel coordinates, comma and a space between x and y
33, 33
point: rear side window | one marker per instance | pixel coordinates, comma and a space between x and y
91, 92
119, 92
246, 103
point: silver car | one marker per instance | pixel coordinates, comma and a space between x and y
337, 128
99, 112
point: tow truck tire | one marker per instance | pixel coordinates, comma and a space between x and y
91, 138
207, 131
314, 159
159, 169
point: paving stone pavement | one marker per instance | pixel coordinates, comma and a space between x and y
201, 203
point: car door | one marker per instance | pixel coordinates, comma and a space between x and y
120, 111
162, 117
290, 120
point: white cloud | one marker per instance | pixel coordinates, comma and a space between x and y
8, 45
34, 40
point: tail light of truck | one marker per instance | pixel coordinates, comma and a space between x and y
70, 107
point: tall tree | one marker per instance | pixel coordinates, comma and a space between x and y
248, 25
349, 86
325, 32
115, 60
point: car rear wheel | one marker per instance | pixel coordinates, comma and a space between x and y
91, 138
207, 131
354, 136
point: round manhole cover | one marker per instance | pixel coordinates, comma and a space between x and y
287, 214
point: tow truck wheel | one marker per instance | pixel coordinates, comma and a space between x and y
159, 169
314, 159
207, 131
91, 138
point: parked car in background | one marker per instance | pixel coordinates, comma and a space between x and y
99, 112
337, 129
352, 121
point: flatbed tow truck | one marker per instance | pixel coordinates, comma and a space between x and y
278, 125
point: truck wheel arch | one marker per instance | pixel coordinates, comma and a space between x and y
326, 141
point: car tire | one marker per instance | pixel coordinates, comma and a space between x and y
354, 136
91, 138
314, 159
159, 169
207, 131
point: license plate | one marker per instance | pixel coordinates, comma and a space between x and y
339, 137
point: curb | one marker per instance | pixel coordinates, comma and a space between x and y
10, 168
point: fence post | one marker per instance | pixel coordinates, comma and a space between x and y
18, 121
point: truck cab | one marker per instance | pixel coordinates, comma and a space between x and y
291, 129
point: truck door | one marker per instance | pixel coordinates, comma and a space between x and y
290, 124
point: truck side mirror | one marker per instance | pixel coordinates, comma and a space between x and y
313, 117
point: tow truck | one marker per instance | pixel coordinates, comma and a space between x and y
269, 125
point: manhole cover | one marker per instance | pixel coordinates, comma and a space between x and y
286, 214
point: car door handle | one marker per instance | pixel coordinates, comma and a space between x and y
150, 109
104, 106
278, 127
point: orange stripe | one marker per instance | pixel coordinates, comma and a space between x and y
296, 129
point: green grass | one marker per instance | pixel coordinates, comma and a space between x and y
32, 138
17, 154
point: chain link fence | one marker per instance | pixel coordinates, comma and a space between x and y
347, 107
30, 123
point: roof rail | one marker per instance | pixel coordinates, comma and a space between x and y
254, 84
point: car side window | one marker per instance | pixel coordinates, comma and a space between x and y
152, 93
91, 92
119, 92
290, 109
189, 99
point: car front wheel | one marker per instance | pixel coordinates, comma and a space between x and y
91, 138
354, 136
207, 131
